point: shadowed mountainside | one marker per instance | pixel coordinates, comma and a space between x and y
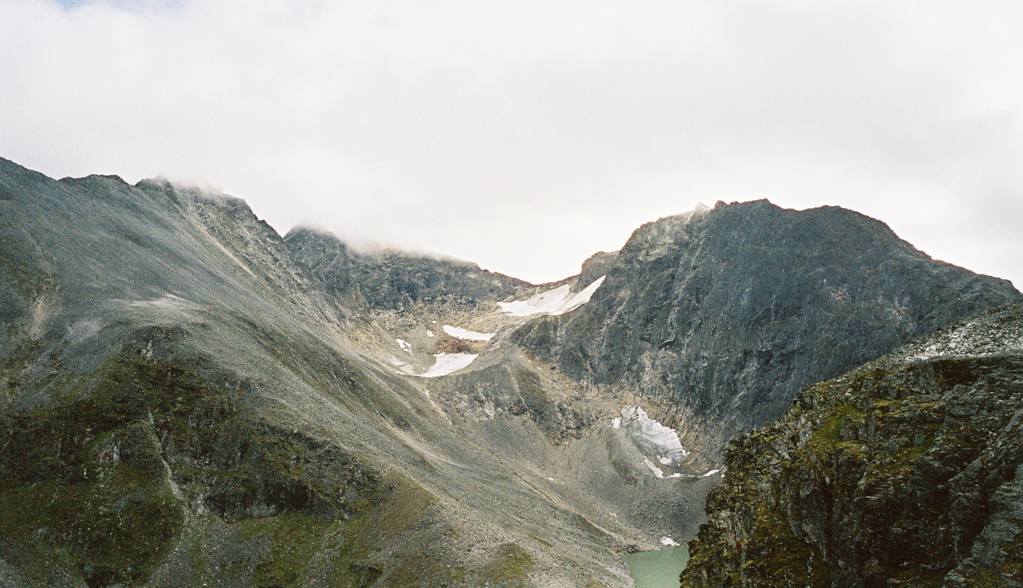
720, 316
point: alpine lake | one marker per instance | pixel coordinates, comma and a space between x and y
658, 569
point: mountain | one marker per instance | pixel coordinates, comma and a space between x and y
182, 404
717, 318
187, 398
907, 471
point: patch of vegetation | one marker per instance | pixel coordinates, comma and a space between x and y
294, 538
511, 563
775, 556
831, 428
115, 528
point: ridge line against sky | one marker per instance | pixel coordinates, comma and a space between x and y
527, 136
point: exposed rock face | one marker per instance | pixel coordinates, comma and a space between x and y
719, 317
390, 280
905, 472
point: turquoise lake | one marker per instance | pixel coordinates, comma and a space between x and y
657, 569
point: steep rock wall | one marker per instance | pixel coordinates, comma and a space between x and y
719, 317
905, 472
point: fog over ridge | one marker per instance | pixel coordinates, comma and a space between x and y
526, 137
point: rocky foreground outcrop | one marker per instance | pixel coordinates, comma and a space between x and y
717, 318
907, 471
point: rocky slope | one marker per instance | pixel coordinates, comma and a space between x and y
905, 472
182, 404
717, 318
465, 316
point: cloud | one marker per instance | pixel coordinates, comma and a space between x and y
527, 135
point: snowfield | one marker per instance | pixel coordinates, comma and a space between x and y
448, 363
651, 437
461, 333
557, 301
656, 470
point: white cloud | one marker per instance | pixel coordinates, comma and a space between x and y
501, 132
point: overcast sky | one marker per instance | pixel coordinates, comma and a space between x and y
527, 135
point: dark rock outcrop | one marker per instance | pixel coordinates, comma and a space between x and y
905, 472
396, 280
719, 317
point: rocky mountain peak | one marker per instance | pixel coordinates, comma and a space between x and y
721, 316
391, 281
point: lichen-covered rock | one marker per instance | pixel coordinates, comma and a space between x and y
904, 472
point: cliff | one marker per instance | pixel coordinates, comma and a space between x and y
907, 471
720, 316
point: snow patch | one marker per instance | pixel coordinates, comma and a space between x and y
669, 542
165, 301
430, 334
401, 365
557, 301
651, 437
448, 363
616, 423
405, 345
656, 470
461, 333
710, 473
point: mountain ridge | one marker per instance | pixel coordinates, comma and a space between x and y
176, 375
218, 404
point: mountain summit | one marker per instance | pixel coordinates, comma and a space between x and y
719, 317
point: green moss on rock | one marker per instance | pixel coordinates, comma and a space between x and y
883, 477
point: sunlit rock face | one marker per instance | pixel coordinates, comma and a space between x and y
717, 318
183, 403
907, 471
